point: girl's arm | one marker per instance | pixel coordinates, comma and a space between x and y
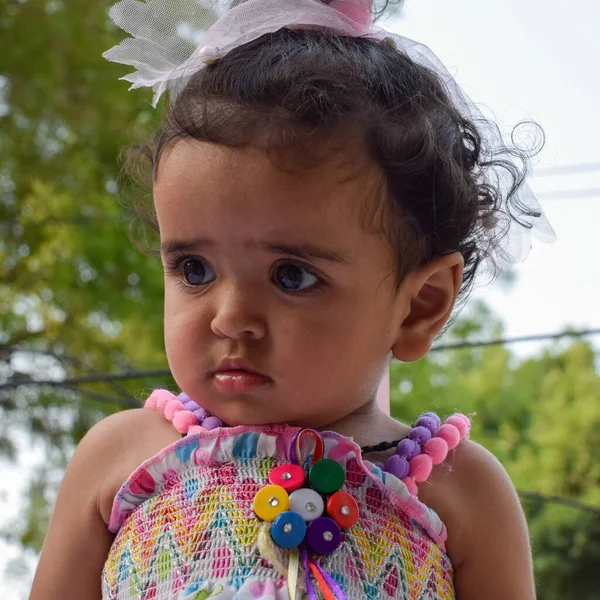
492, 553
78, 540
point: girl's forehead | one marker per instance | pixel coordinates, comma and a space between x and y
214, 186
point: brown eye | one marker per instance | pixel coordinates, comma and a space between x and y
197, 272
293, 278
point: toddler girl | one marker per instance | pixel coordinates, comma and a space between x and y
325, 195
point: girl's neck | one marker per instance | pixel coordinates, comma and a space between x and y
368, 425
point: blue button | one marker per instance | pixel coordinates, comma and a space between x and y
288, 529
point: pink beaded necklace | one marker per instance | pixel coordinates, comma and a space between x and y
427, 444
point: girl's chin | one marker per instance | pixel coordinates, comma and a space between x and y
254, 408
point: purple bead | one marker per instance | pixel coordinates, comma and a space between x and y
433, 416
379, 465
398, 466
212, 423
323, 535
429, 423
200, 414
188, 403
408, 448
420, 435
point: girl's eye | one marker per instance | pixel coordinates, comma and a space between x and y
293, 278
197, 272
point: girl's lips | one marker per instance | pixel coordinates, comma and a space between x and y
237, 381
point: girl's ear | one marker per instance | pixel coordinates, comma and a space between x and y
428, 295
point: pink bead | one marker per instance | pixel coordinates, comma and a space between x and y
411, 484
420, 467
162, 397
150, 402
183, 420
461, 423
195, 429
449, 433
437, 448
171, 408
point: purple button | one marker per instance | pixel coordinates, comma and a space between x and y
323, 535
420, 435
408, 448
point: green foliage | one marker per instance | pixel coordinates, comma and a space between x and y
75, 296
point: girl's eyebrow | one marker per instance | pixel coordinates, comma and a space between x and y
304, 251
174, 246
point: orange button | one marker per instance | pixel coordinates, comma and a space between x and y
342, 508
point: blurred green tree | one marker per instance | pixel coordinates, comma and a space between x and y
75, 296
541, 417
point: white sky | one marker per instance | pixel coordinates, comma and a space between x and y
522, 59
534, 59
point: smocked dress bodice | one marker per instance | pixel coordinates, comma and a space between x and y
186, 528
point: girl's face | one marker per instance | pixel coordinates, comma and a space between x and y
279, 306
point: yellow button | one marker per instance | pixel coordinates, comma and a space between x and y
270, 501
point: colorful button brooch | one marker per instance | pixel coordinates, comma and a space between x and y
295, 504
306, 515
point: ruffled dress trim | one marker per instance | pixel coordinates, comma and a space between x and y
251, 443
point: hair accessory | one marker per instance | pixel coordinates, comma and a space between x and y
174, 39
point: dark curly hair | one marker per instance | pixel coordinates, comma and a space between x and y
302, 90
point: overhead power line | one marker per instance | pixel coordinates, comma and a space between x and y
572, 169
21, 380
516, 340
570, 194
551, 499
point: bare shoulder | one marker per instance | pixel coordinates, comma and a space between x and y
488, 540
130, 427
119, 443
78, 532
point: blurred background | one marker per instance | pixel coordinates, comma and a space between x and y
81, 309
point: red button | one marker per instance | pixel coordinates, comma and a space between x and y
289, 477
342, 508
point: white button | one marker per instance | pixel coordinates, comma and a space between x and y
307, 503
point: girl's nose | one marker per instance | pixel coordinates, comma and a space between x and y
236, 316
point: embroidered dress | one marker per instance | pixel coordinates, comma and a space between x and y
186, 529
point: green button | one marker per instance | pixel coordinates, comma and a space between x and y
327, 476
